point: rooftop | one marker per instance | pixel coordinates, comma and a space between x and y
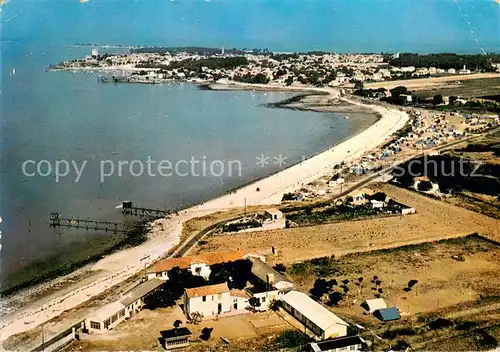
273, 211
312, 310
387, 314
207, 290
372, 305
339, 342
207, 258
107, 311
239, 293
140, 291
265, 272
174, 333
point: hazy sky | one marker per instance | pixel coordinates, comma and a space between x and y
291, 25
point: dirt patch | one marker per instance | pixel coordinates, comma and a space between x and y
141, 332
434, 220
455, 280
448, 272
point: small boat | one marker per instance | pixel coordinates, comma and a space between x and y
347, 117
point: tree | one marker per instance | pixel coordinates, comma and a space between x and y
177, 323
320, 288
424, 186
275, 304
291, 339
206, 333
335, 298
236, 273
280, 268
289, 80
397, 91
195, 318
438, 99
254, 302
358, 86
412, 283
332, 283
452, 99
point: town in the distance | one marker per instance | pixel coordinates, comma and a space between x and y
388, 241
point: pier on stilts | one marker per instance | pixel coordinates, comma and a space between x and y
57, 220
144, 213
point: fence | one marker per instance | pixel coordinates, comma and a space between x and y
60, 340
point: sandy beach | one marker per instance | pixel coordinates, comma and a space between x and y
166, 233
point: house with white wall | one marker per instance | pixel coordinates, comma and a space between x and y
265, 284
361, 196
199, 264
315, 318
208, 300
130, 303
214, 300
269, 285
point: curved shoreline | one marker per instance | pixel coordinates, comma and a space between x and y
165, 233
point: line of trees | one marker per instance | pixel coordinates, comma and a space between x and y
446, 61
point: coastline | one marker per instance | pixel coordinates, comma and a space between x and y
165, 233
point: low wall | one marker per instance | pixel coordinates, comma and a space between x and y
60, 340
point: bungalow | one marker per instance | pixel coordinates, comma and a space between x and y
346, 343
110, 315
273, 214
323, 323
371, 305
175, 338
199, 264
387, 314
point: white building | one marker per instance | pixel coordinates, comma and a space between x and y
340, 344
362, 196
372, 305
213, 300
464, 71
323, 323
199, 264
131, 302
377, 204
272, 285
274, 214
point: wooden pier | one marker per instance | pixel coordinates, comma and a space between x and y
144, 213
57, 220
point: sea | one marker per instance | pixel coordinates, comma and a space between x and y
73, 145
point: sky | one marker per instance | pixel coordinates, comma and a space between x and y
464, 26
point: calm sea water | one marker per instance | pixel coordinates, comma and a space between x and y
70, 116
